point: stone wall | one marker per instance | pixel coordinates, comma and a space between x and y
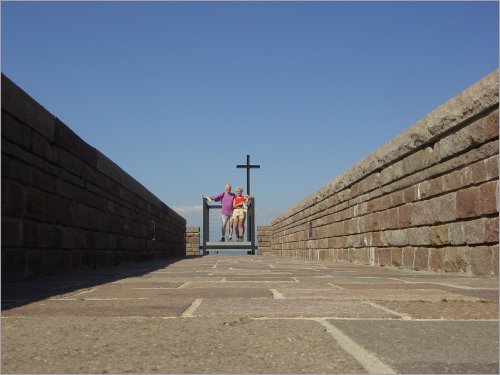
192, 241
264, 236
427, 200
65, 205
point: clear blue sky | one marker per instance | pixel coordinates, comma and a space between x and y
178, 93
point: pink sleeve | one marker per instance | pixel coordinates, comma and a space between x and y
218, 197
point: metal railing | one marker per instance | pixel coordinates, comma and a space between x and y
214, 244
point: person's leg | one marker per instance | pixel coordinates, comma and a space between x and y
231, 228
242, 227
235, 226
224, 224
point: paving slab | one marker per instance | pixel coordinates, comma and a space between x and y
196, 346
449, 310
172, 307
374, 294
421, 347
284, 308
165, 293
260, 278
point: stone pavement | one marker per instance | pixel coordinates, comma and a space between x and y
250, 314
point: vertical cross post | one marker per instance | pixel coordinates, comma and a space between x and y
251, 220
248, 166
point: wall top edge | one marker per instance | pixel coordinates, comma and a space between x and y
474, 100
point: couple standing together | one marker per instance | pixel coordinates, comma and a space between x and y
234, 211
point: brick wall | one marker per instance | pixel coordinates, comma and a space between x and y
427, 200
65, 205
264, 235
192, 241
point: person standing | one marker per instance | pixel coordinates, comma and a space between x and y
239, 213
226, 198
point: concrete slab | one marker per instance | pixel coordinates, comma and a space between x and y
173, 307
373, 294
163, 293
450, 310
289, 309
421, 347
172, 279
171, 346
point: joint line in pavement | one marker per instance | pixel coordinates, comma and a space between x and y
188, 313
368, 360
403, 316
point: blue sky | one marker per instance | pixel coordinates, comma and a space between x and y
178, 93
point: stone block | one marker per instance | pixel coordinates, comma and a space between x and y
397, 257
491, 230
40, 205
456, 234
15, 198
15, 131
398, 198
445, 210
404, 216
42, 147
423, 190
375, 205
452, 181
436, 261
13, 263
439, 235
456, 259
478, 172
422, 213
463, 139
399, 238
489, 197
421, 259
491, 166
30, 234
33, 262
481, 260
43, 181
386, 201
73, 238
419, 160
467, 177
384, 257
375, 239
68, 140
49, 236
492, 125
435, 186
408, 254
467, 204
419, 236
494, 253
409, 194
18, 170
12, 232
474, 231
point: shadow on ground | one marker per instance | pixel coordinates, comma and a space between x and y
21, 292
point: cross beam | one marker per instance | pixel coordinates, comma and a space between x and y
248, 166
